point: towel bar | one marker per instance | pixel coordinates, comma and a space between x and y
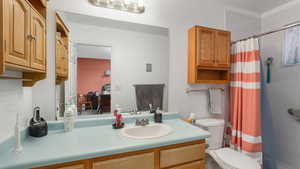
202, 90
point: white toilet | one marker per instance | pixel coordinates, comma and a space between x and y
226, 158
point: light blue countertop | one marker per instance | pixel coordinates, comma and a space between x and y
89, 142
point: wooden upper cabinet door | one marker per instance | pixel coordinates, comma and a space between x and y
38, 42
57, 58
19, 30
223, 48
66, 61
205, 46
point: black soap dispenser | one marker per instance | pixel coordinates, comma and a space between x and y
158, 116
38, 126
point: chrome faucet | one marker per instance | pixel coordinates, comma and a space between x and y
142, 122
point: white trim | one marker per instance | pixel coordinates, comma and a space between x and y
245, 85
280, 8
246, 137
245, 67
243, 11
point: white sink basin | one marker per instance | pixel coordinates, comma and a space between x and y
150, 131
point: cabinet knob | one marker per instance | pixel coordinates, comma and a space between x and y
30, 37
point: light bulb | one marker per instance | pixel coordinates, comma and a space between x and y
140, 3
126, 2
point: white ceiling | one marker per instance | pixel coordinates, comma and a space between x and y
93, 51
257, 6
70, 18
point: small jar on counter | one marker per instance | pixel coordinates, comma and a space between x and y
69, 119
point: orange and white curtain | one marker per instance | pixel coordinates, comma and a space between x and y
245, 112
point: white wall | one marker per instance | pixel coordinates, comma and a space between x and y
43, 92
131, 51
284, 90
13, 98
176, 15
242, 24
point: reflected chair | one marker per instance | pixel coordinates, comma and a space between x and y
82, 100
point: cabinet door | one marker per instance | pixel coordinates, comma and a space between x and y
142, 161
4, 27
65, 61
223, 49
195, 165
181, 155
57, 58
38, 42
19, 31
205, 47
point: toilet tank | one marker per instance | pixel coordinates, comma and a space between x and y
216, 128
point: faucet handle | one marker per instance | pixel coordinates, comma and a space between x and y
137, 122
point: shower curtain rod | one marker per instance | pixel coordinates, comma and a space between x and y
285, 27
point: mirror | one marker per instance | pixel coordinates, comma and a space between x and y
104, 64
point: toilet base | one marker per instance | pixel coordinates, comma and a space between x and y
210, 163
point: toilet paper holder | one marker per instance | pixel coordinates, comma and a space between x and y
295, 113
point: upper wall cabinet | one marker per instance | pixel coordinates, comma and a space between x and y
23, 38
209, 55
62, 50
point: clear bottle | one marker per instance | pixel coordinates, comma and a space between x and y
69, 119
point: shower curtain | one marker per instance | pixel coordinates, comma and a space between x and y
245, 99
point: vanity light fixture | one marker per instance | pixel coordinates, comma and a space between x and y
134, 6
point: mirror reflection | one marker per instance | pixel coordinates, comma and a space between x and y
110, 65
93, 79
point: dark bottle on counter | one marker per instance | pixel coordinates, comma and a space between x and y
38, 126
158, 116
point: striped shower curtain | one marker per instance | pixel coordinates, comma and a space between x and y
245, 94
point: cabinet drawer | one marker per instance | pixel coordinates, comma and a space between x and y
142, 161
194, 165
181, 155
71, 165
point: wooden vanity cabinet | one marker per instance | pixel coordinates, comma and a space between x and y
209, 55
23, 38
84, 164
190, 155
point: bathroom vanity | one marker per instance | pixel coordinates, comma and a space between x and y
189, 155
93, 144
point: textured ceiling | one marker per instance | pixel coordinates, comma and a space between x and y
92, 51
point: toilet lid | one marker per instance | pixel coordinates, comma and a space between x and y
236, 159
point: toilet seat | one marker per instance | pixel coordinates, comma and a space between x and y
230, 159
